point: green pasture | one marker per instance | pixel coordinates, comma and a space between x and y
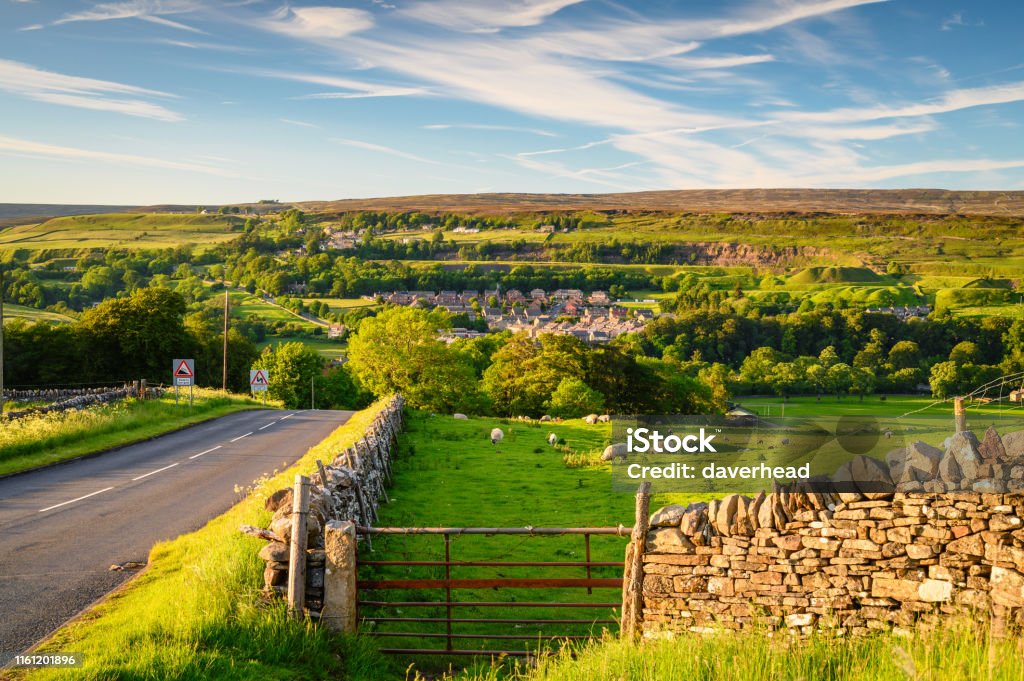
142, 230
31, 314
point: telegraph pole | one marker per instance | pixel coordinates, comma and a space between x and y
224, 380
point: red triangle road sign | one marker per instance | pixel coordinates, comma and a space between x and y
259, 378
183, 370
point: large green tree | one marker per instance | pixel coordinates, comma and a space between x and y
293, 368
399, 351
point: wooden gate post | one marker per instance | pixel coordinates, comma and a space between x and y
340, 596
297, 553
633, 578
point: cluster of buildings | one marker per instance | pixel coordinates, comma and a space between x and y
904, 312
594, 318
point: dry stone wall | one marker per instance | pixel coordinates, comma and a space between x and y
352, 490
64, 400
930, 533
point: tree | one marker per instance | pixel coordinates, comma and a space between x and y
573, 398
945, 379
965, 352
905, 354
137, 336
293, 367
398, 351
862, 382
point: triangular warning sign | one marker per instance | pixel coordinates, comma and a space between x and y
259, 378
183, 370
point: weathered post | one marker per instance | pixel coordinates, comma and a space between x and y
297, 553
633, 579
960, 414
340, 596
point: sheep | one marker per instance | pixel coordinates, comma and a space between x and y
616, 451
545, 418
590, 419
496, 436
604, 418
552, 439
460, 417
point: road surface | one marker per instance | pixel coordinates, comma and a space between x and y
61, 528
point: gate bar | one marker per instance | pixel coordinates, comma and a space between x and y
487, 604
620, 531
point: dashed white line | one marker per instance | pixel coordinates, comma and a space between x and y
241, 436
267, 426
158, 470
196, 456
287, 417
50, 508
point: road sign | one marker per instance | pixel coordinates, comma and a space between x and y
184, 372
259, 379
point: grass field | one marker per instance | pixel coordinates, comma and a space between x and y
196, 612
40, 440
31, 314
341, 305
133, 230
449, 474
328, 348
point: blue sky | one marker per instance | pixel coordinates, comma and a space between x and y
195, 101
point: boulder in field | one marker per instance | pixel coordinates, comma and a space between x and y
460, 417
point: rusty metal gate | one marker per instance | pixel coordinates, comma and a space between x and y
422, 621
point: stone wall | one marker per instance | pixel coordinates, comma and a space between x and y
853, 561
352, 491
64, 400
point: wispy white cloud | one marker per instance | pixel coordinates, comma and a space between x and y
484, 126
351, 88
318, 23
301, 124
381, 149
12, 145
485, 16
85, 93
153, 11
953, 100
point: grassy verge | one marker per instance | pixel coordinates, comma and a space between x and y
959, 651
40, 440
197, 612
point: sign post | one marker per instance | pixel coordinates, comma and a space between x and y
183, 373
259, 380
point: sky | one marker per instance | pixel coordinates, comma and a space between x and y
196, 101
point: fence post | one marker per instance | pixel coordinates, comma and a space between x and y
633, 579
297, 553
960, 414
340, 594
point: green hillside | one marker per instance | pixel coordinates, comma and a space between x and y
836, 275
136, 230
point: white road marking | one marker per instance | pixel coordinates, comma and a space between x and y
287, 417
267, 426
241, 436
196, 456
158, 470
50, 508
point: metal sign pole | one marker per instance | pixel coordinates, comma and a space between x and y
175, 394
190, 396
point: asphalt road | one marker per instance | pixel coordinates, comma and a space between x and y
61, 528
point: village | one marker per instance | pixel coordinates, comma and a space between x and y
593, 318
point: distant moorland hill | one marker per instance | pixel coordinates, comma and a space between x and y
855, 201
